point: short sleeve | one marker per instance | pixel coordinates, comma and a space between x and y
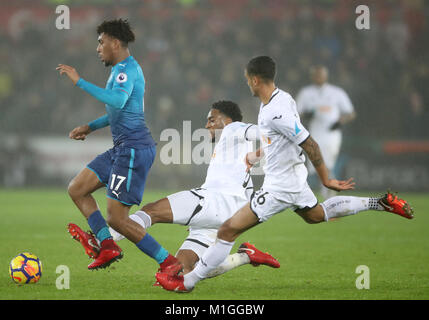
287, 122
251, 133
244, 131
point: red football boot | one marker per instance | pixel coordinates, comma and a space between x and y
87, 240
170, 266
109, 253
172, 282
258, 257
392, 203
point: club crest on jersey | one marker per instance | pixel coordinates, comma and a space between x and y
122, 77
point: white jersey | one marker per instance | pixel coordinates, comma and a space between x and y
281, 134
226, 173
327, 103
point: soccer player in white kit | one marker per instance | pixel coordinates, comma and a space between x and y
328, 108
284, 140
226, 189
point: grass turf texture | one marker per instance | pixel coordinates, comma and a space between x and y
317, 261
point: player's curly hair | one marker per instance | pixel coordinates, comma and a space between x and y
262, 66
119, 29
228, 108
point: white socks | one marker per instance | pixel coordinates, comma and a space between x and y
341, 206
147, 220
231, 262
141, 217
211, 259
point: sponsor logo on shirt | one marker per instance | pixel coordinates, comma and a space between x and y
297, 129
266, 139
325, 109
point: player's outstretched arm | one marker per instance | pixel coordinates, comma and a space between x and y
99, 123
69, 71
80, 133
115, 98
312, 150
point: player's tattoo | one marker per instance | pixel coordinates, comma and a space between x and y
312, 149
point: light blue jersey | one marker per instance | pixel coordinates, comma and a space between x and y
123, 96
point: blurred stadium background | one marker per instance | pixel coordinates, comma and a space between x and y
193, 52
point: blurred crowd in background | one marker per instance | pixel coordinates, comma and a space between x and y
193, 52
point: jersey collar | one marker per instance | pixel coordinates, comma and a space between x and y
275, 92
127, 59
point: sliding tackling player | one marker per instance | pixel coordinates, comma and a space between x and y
227, 188
284, 141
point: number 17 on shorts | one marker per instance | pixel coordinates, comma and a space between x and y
123, 188
115, 182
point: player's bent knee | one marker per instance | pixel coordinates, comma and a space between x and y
313, 220
313, 216
227, 232
74, 190
77, 189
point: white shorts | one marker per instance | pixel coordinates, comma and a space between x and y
265, 205
202, 208
204, 211
199, 240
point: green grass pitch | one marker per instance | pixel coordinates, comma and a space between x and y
317, 261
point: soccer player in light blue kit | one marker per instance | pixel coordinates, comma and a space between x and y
122, 169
